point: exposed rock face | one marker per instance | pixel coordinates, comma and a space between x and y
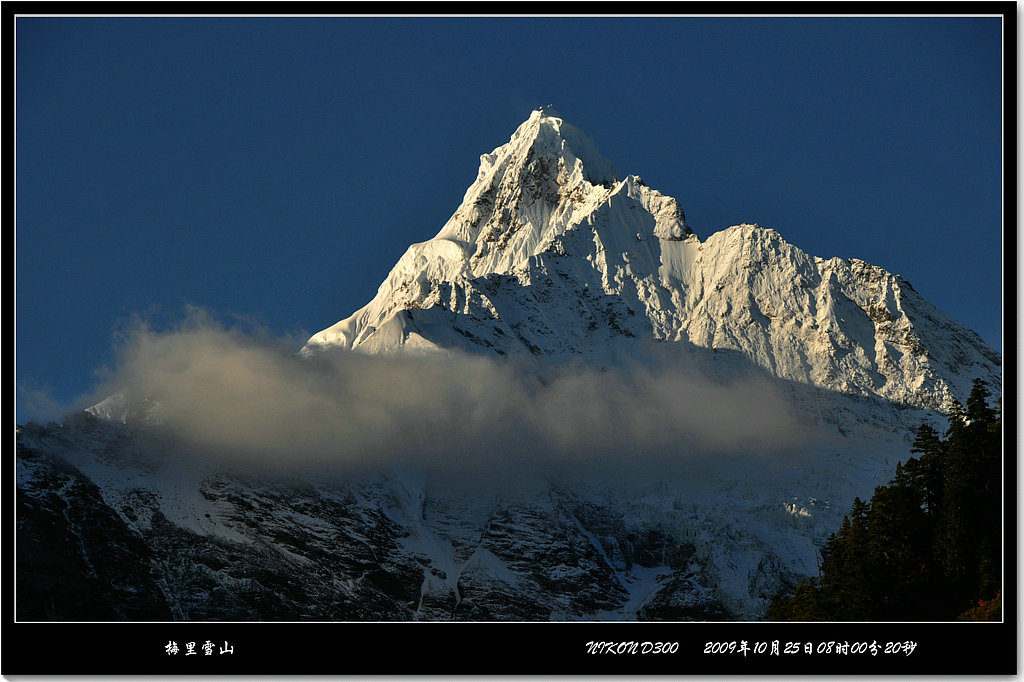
253, 548
77, 559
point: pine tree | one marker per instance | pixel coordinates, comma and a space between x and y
927, 546
846, 590
803, 605
978, 409
929, 469
968, 532
900, 549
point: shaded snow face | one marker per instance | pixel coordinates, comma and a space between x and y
251, 400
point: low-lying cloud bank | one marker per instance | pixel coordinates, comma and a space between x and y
249, 398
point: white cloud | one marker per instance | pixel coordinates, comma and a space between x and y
248, 398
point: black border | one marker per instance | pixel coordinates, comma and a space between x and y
508, 648
527, 648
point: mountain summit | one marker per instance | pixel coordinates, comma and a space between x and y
551, 254
547, 181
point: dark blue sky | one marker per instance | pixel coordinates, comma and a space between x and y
276, 168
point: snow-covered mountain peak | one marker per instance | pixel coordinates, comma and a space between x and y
546, 133
547, 180
123, 408
551, 255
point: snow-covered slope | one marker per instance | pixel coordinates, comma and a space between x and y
552, 258
152, 529
550, 253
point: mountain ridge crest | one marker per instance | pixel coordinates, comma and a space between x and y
547, 255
